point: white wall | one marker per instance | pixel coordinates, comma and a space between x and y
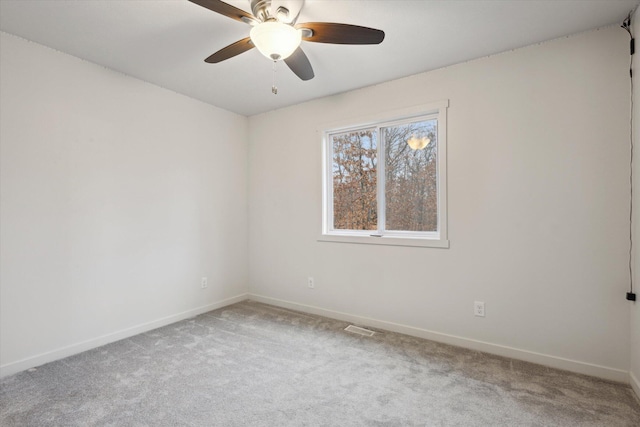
117, 196
538, 209
635, 307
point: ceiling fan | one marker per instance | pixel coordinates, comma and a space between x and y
277, 35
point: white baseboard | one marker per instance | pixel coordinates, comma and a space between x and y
50, 356
514, 353
635, 384
605, 372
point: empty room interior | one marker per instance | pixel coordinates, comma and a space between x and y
319, 213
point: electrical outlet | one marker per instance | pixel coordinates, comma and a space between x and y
310, 283
204, 282
478, 308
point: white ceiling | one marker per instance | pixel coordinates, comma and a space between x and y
164, 42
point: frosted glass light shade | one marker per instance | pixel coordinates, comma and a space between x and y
418, 143
275, 40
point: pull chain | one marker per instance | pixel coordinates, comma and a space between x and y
274, 88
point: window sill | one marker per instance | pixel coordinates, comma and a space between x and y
385, 240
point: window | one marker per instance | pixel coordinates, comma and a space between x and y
385, 179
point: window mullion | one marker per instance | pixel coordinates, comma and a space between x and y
328, 170
381, 181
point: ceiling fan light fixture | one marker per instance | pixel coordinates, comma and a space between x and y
275, 40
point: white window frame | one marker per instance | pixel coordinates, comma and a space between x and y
434, 239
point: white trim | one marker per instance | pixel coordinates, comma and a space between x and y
384, 116
60, 353
585, 368
384, 240
514, 353
635, 384
432, 111
441, 174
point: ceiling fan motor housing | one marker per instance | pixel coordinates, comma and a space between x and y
261, 9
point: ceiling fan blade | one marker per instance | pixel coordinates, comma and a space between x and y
227, 10
300, 65
230, 51
327, 32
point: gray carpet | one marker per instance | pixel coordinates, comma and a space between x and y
251, 364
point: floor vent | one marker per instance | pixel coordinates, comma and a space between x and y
359, 331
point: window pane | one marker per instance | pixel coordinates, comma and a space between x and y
411, 190
354, 180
